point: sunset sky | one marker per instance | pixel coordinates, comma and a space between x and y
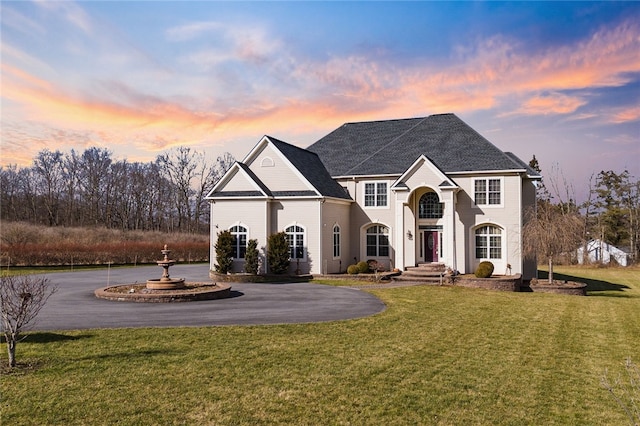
560, 81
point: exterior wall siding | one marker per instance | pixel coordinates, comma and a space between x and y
275, 173
251, 214
335, 213
307, 214
239, 182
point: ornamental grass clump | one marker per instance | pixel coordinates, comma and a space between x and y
484, 270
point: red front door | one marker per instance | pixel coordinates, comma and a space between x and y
431, 246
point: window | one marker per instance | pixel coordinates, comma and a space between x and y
375, 194
336, 241
378, 241
430, 206
239, 234
488, 242
488, 192
295, 238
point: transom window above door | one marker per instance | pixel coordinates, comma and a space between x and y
429, 206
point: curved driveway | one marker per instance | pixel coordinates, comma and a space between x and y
74, 305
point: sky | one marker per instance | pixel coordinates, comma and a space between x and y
558, 80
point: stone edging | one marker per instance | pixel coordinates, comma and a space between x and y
208, 292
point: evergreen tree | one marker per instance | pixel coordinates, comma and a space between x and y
278, 253
251, 257
224, 252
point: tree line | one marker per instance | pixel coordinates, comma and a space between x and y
611, 212
94, 189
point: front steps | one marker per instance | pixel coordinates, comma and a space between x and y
424, 273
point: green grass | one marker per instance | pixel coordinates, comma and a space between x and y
437, 355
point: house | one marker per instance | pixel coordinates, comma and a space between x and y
400, 192
599, 251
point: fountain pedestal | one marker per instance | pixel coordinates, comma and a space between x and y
165, 282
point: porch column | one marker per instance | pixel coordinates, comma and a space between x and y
449, 228
399, 243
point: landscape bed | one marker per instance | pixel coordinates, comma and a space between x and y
437, 355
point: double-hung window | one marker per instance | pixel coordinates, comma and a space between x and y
375, 194
488, 242
488, 192
378, 241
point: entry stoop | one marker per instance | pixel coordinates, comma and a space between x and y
424, 273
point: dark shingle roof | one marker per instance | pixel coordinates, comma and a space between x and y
310, 166
392, 146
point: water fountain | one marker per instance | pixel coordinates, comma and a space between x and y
166, 282
165, 288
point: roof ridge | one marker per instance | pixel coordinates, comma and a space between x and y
390, 142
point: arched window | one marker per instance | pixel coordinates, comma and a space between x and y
429, 206
336, 240
488, 242
378, 241
295, 238
239, 233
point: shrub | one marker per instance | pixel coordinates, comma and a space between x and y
363, 267
278, 253
352, 269
251, 257
224, 252
484, 270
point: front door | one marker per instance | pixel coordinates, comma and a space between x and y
430, 246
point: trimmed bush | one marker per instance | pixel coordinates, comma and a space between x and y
224, 252
484, 270
363, 267
251, 257
278, 253
352, 269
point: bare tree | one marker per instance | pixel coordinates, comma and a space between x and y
21, 299
48, 168
550, 231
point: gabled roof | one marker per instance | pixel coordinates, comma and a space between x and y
310, 166
218, 189
392, 146
306, 164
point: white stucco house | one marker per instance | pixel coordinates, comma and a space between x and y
401, 192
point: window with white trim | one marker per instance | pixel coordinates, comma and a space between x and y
489, 242
295, 238
336, 241
377, 241
375, 194
487, 192
239, 248
429, 206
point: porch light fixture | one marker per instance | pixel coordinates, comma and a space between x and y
409, 235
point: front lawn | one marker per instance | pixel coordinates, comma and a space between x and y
437, 355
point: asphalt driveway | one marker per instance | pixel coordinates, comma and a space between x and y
74, 305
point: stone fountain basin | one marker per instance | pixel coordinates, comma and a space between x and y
165, 284
188, 293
